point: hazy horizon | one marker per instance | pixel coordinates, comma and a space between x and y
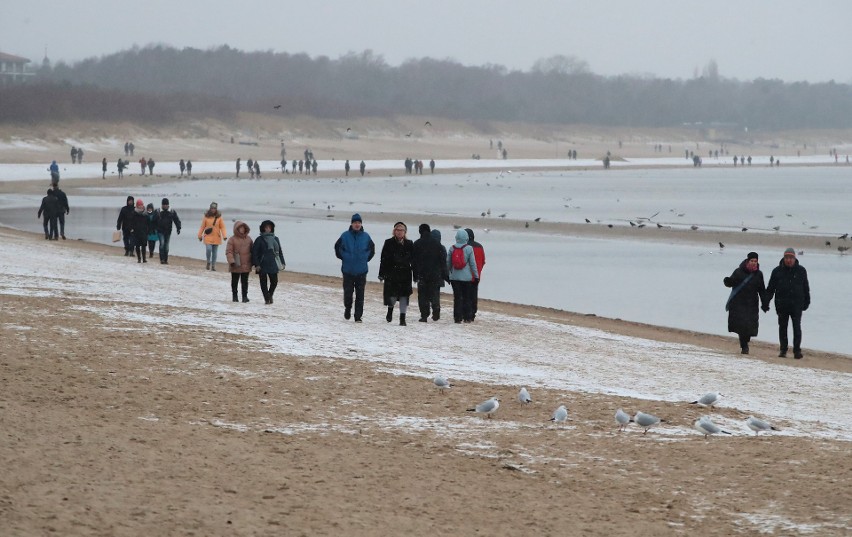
783, 40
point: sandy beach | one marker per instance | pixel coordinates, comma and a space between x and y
115, 425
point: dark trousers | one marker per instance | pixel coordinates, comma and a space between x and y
462, 301
61, 218
140, 250
429, 299
744, 339
50, 227
268, 289
128, 241
474, 298
356, 284
242, 277
151, 245
783, 321
164, 245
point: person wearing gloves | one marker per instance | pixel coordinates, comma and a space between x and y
395, 271
788, 283
212, 232
238, 254
461, 263
747, 292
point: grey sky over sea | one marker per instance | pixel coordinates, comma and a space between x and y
784, 39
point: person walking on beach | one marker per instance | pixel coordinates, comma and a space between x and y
79, 155
395, 271
432, 165
125, 225
346, 167
355, 249
49, 211
54, 172
153, 234
73, 155
429, 267
461, 264
139, 231
64, 209
121, 165
212, 232
182, 166
238, 167
188, 168
269, 259
238, 254
788, 283
363, 167
150, 166
166, 219
257, 169
479, 256
143, 163
743, 304
103, 168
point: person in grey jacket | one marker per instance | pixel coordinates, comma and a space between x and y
463, 274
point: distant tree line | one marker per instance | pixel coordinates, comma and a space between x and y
560, 89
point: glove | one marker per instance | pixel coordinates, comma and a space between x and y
806, 307
476, 280
727, 281
178, 232
765, 308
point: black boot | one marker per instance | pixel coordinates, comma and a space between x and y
234, 293
389, 316
245, 297
402, 319
347, 313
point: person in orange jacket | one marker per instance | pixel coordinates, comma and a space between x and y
212, 232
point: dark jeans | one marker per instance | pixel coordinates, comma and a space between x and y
128, 241
50, 227
267, 289
61, 218
462, 301
429, 298
783, 321
151, 245
356, 284
474, 298
242, 277
744, 339
164, 246
140, 251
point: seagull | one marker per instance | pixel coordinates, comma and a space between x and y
721, 245
777, 228
842, 249
659, 225
560, 415
693, 228
483, 214
708, 399
707, 427
538, 219
488, 407
427, 124
441, 383
609, 226
588, 221
501, 215
524, 396
757, 425
828, 243
640, 226
844, 236
348, 129
744, 229
408, 135
277, 106
646, 421
632, 223
622, 419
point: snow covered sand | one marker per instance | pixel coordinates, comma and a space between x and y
161, 405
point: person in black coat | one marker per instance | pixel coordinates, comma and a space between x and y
123, 223
395, 271
789, 285
49, 211
63, 205
166, 219
139, 225
748, 290
428, 267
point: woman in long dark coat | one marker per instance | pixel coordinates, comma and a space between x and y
395, 271
747, 294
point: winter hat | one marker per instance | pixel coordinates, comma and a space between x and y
424, 228
150, 206
790, 251
140, 203
214, 205
356, 218
165, 201
752, 255
269, 223
436, 234
461, 238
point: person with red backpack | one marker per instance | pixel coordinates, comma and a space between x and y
479, 254
461, 263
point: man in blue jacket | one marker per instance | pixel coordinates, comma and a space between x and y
354, 248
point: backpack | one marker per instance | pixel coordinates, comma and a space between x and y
457, 258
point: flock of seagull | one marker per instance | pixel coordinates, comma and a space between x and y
704, 424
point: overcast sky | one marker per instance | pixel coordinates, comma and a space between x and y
788, 39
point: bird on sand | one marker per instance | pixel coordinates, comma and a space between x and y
501, 215
427, 124
757, 425
844, 236
705, 426
488, 407
588, 221
408, 134
744, 229
708, 399
560, 415
721, 245
348, 129
524, 396
632, 223
646, 421
776, 228
622, 418
828, 243
277, 106
693, 228
538, 219
441, 383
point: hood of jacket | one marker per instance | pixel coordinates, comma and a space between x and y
436, 235
239, 224
461, 238
469, 234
